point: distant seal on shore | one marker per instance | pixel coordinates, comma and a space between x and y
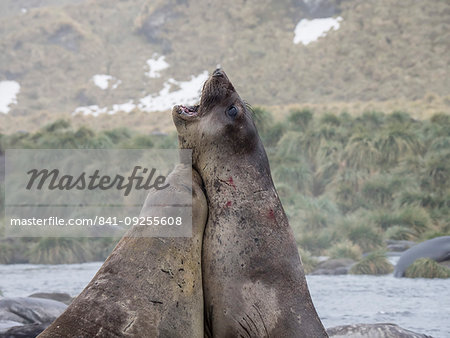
147, 287
253, 279
437, 249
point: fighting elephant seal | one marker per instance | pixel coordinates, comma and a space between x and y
147, 287
437, 249
253, 280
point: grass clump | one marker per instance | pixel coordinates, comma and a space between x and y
6, 252
400, 233
365, 236
415, 219
300, 118
59, 250
375, 263
345, 249
427, 268
315, 243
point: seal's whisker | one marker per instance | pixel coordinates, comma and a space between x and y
248, 109
248, 106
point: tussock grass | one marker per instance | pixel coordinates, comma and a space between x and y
427, 268
337, 200
6, 253
373, 264
345, 249
366, 236
416, 219
398, 232
54, 250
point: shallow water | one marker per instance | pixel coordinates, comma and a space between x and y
421, 305
25, 279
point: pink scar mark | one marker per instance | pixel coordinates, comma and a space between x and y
228, 204
231, 182
271, 214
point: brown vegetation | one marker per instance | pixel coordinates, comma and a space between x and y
387, 55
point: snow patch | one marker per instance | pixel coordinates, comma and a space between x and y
187, 94
103, 81
8, 95
116, 84
124, 107
156, 65
93, 110
308, 31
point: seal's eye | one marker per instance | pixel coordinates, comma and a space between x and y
232, 111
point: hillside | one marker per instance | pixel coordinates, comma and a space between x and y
386, 53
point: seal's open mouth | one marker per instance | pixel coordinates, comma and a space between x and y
188, 110
215, 89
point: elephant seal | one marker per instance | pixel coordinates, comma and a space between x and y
148, 286
437, 249
253, 280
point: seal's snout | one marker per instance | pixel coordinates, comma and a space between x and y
215, 90
218, 73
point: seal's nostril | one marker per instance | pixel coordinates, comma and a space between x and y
218, 72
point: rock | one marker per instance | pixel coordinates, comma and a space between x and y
58, 296
24, 331
9, 317
380, 330
320, 259
22, 317
445, 263
7, 324
399, 246
337, 266
15, 311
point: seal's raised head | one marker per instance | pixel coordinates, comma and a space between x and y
222, 116
253, 280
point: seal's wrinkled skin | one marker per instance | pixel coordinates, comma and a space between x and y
253, 280
148, 287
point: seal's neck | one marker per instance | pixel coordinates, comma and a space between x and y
237, 176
